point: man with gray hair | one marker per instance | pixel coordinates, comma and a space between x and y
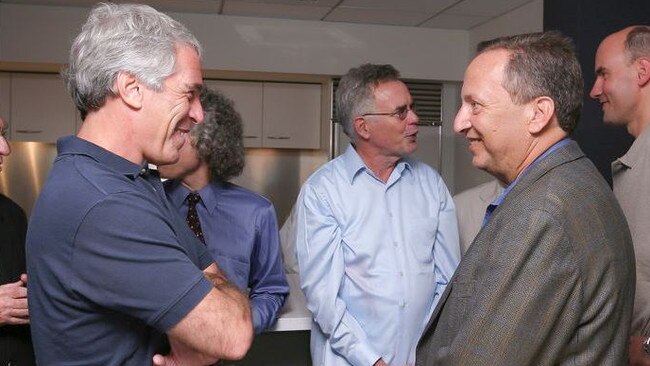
377, 239
622, 87
549, 279
116, 277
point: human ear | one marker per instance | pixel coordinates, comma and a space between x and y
643, 71
361, 127
129, 89
543, 111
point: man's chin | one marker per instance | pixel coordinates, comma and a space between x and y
165, 159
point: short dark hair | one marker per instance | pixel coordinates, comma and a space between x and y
542, 64
355, 92
218, 140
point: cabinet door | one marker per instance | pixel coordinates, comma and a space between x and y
291, 115
41, 108
5, 99
247, 97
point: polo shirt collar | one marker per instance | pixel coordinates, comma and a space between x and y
638, 151
73, 145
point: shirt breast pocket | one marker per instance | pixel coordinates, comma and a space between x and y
420, 237
236, 270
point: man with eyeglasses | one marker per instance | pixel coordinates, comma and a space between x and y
377, 238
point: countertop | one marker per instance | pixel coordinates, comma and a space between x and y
294, 314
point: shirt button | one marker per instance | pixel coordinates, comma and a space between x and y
402, 303
401, 274
395, 244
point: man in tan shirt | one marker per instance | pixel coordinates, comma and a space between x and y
622, 87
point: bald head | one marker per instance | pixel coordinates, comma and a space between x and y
622, 83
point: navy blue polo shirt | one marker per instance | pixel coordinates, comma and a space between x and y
111, 266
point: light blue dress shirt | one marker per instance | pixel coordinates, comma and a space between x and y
241, 233
374, 258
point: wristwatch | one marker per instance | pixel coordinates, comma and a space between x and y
646, 345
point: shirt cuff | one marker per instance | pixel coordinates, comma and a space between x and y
257, 319
363, 355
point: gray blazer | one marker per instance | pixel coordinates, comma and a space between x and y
548, 281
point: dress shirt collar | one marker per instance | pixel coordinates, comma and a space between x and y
546, 153
177, 193
638, 150
72, 145
492, 206
353, 164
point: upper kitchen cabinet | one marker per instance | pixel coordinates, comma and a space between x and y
276, 114
5, 99
41, 108
291, 115
247, 97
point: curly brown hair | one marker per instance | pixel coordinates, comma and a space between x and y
218, 140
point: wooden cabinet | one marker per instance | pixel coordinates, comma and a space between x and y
41, 108
291, 115
276, 114
5, 100
247, 97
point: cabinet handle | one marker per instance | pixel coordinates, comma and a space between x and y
249, 137
278, 137
29, 131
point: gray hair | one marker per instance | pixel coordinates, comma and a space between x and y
131, 38
218, 140
542, 64
637, 42
355, 92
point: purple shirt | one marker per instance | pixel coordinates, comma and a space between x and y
241, 232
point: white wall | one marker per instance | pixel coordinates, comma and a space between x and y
44, 33
525, 19
30, 33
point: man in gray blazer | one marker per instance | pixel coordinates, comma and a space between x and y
549, 280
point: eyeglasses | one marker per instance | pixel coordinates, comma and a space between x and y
400, 112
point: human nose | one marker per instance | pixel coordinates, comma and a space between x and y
412, 117
461, 122
5, 149
597, 89
196, 111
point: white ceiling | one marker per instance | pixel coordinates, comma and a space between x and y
446, 14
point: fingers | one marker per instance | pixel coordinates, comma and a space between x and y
14, 290
19, 304
160, 360
16, 321
13, 310
18, 283
14, 317
23, 278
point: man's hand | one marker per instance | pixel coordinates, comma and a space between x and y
380, 362
180, 355
637, 356
13, 302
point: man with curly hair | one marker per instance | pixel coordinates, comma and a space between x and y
238, 226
